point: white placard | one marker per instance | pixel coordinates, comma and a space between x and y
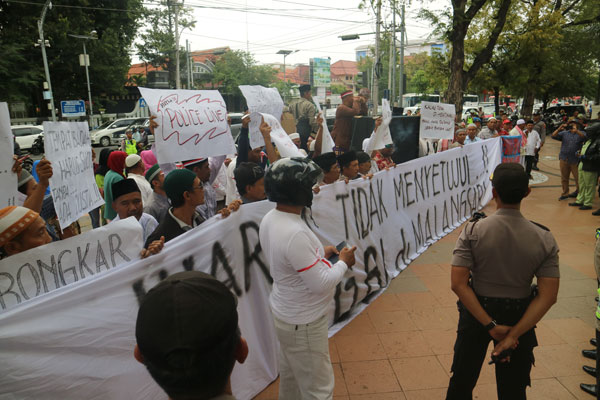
73, 186
327, 143
261, 100
437, 121
191, 124
382, 136
44, 269
279, 136
8, 179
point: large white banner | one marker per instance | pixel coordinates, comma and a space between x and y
77, 342
44, 269
191, 124
8, 179
261, 100
437, 120
73, 186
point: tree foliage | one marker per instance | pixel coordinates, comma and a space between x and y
21, 67
238, 67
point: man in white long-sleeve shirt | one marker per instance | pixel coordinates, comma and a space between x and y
304, 281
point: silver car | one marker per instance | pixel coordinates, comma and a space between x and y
111, 132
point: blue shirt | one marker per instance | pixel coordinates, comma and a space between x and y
571, 144
468, 140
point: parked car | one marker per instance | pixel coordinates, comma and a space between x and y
553, 118
110, 133
25, 135
236, 124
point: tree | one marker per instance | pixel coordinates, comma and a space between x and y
157, 44
21, 68
236, 68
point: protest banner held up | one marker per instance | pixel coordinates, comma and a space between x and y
391, 218
73, 187
8, 179
437, 120
261, 100
191, 124
44, 269
327, 143
279, 136
382, 136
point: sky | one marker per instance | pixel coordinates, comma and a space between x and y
310, 26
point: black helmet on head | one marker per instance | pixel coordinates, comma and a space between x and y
290, 181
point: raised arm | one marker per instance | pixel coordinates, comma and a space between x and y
265, 130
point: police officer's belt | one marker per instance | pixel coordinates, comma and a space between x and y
504, 300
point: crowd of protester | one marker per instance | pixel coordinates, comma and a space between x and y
169, 200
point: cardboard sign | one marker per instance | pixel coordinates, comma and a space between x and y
437, 120
261, 100
8, 179
73, 186
191, 124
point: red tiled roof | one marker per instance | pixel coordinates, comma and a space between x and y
344, 67
299, 75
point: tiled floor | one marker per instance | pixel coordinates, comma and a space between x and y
400, 347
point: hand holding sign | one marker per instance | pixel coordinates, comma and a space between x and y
327, 143
271, 130
382, 136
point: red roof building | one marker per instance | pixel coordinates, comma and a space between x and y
344, 72
299, 74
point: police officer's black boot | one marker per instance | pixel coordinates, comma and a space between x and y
589, 388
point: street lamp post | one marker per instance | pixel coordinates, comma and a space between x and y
42, 43
92, 36
285, 54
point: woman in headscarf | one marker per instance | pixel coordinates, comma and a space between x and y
116, 164
149, 159
101, 171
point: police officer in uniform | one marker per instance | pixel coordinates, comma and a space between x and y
493, 264
305, 111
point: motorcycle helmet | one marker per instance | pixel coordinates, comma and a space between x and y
290, 181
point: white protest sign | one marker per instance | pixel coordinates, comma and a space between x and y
8, 179
73, 186
25, 276
382, 136
279, 136
55, 345
261, 100
191, 124
327, 143
437, 120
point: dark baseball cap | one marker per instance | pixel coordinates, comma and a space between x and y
184, 317
511, 182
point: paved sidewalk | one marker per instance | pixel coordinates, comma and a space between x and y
401, 346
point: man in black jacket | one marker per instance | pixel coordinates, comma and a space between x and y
185, 192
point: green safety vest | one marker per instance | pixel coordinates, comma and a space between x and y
130, 147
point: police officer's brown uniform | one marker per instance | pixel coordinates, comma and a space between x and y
305, 112
503, 253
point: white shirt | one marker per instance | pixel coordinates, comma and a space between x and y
533, 142
148, 223
231, 192
303, 281
144, 186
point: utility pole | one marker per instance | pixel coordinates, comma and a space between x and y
42, 43
402, 36
177, 72
393, 61
375, 91
187, 52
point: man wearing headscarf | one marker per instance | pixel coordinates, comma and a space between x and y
116, 163
344, 114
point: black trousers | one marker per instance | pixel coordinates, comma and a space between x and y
472, 340
529, 164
